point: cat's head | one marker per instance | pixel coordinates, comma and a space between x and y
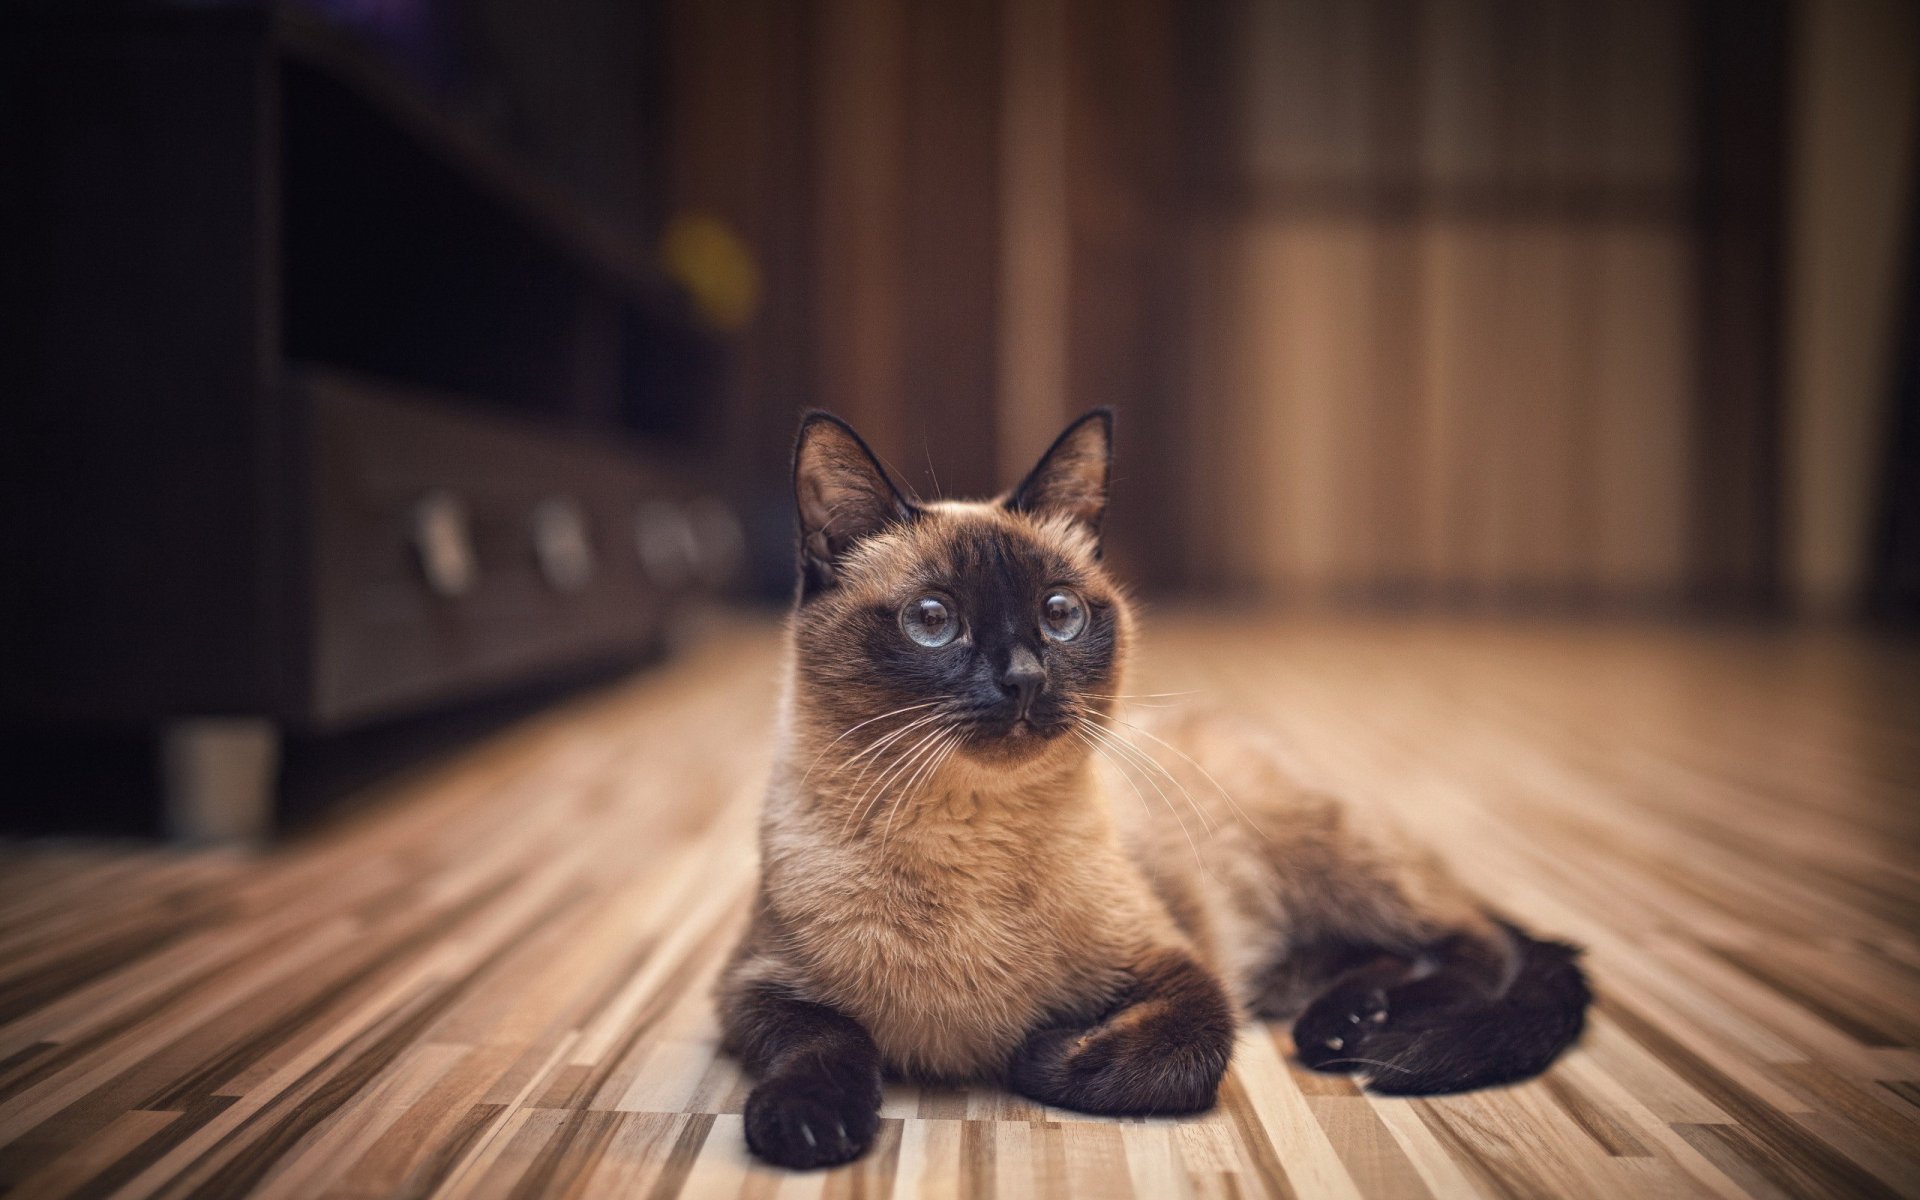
983, 632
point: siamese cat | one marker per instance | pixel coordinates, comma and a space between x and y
973, 868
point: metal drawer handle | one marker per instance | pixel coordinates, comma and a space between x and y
665, 541
443, 540
562, 544
721, 543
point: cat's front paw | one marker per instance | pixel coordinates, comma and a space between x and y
1332, 1034
804, 1121
1124, 1068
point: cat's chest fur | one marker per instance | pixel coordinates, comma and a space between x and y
954, 936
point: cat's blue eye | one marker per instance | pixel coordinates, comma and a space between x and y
1063, 615
930, 621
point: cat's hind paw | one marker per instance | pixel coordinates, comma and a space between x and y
1333, 1034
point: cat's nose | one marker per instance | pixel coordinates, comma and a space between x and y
1023, 679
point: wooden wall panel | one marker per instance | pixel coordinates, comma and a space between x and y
1402, 300
951, 254
1452, 266
738, 143
1537, 463
971, 223
1734, 505
1299, 295
859, 75
1855, 187
1034, 400
1458, 307
908, 240
1642, 361
1126, 75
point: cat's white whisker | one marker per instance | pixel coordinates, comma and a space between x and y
1370, 1062
1098, 749
864, 780
872, 752
1139, 696
920, 775
1131, 755
906, 788
1224, 794
1206, 822
856, 811
874, 794
852, 729
874, 755
1119, 743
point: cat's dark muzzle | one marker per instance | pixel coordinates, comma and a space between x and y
1008, 730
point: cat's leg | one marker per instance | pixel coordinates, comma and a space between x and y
1456, 974
817, 1102
1161, 1048
1473, 1009
1391, 969
1284, 987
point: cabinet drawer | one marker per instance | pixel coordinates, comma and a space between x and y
453, 553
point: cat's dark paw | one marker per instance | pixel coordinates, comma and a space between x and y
1333, 1033
1124, 1068
803, 1121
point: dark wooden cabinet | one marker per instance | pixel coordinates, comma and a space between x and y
320, 408
452, 551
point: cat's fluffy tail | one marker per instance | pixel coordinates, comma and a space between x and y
1515, 1037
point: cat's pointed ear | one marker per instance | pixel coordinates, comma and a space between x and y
842, 494
1070, 480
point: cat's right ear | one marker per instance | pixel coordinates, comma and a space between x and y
842, 494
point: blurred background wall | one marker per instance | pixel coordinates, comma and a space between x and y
1445, 302
1852, 308
374, 359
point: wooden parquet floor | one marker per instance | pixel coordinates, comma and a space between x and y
493, 981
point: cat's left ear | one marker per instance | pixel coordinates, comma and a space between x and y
1070, 480
842, 495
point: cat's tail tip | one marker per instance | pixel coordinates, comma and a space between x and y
1516, 1037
